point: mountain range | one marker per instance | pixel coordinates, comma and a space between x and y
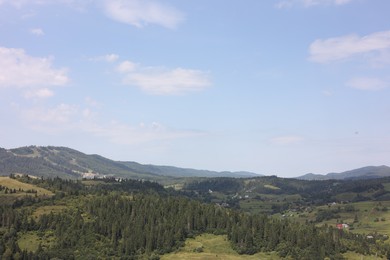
368, 172
68, 163
53, 161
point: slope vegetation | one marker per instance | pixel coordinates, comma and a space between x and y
369, 172
71, 164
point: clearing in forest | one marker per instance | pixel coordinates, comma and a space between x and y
23, 189
209, 246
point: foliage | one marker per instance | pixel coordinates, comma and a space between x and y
281, 194
127, 219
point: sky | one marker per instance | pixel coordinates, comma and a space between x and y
275, 87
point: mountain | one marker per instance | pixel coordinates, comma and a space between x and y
185, 172
68, 163
369, 172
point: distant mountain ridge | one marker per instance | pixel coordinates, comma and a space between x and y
52, 161
185, 172
368, 172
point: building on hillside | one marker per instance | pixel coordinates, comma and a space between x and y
342, 226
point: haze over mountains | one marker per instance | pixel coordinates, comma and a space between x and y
368, 172
68, 163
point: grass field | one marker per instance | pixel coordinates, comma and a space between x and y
31, 240
387, 186
48, 209
269, 186
367, 217
256, 206
373, 217
355, 256
21, 187
208, 246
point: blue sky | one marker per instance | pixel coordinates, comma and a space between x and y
283, 87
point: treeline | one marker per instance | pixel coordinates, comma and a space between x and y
317, 192
62, 187
221, 184
127, 227
10, 191
121, 222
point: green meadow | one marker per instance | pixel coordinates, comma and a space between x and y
208, 246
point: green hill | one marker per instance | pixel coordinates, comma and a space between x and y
134, 219
270, 194
369, 172
62, 162
185, 172
71, 164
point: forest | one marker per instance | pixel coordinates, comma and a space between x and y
135, 219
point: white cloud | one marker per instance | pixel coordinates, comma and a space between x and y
162, 81
66, 118
107, 58
91, 102
365, 83
17, 69
39, 93
345, 47
341, 2
127, 66
170, 82
284, 4
309, 3
37, 32
138, 134
16, 3
111, 57
60, 117
286, 140
140, 13
21, 3
78, 4
325, 2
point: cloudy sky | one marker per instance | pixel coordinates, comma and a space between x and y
283, 87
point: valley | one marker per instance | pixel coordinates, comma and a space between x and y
206, 225
165, 217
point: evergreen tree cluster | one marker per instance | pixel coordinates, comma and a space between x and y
132, 219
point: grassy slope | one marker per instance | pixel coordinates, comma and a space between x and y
370, 216
218, 247
355, 256
68, 163
31, 240
15, 184
214, 247
47, 210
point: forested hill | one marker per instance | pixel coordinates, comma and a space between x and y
134, 219
186, 172
71, 164
369, 172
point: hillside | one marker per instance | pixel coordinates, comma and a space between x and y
185, 172
133, 219
369, 172
71, 164
62, 162
271, 194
